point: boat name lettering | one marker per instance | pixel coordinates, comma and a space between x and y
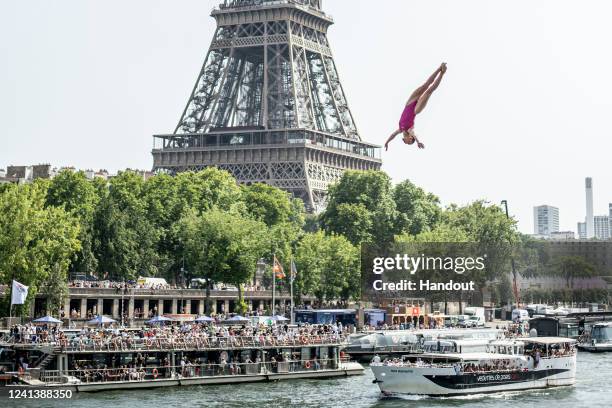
493, 377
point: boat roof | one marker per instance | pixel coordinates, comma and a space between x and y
547, 340
603, 324
507, 342
460, 342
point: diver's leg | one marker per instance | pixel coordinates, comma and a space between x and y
422, 103
423, 88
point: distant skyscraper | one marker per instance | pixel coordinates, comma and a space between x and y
582, 230
610, 217
545, 220
590, 228
601, 224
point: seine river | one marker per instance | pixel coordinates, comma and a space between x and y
593, 389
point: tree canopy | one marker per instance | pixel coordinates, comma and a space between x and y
204, 225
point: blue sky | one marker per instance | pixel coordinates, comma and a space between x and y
522, 114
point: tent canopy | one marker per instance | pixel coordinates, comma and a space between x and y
237, 318
101, 320
159, 319
47, 319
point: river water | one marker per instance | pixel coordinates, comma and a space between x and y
593, 389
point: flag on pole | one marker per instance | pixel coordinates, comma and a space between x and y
278, 270
19, 294
293, 271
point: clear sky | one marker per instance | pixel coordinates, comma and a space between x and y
522, 114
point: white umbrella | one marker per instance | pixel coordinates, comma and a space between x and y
47, 319
159, 320
100, 320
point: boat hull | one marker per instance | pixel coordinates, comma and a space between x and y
597, 348
443, 382
348, 369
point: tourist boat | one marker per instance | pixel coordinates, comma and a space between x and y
599, 339
164, 363
530, 363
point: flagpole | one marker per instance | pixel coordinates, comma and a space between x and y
11, 304
291, 278
273, 284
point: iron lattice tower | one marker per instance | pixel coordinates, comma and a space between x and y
268, 105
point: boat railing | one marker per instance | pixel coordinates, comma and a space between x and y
191, 343
50, 376
463, 368
197, 370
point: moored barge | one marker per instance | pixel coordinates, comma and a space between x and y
151, 362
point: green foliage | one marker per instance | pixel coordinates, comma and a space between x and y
127, 238
570, 268
328, 267
37, 243
491, 229
361, 207
267, 204
221, 246
419, 210
74, 193
126, 227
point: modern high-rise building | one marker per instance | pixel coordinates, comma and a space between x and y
601, 225
545, 220
610, 217
590, 228
582, 234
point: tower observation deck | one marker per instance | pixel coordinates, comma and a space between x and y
268, 105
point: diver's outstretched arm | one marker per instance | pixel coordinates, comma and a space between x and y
419, 144
421, 89
397, 132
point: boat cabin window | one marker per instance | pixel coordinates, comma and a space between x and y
601, 333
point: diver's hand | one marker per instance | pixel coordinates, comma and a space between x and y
421, 145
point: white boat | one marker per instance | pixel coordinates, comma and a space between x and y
530, 363
599, 340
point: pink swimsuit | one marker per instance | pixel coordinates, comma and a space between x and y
407, 120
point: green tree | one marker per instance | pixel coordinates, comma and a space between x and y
418, 210
222, 247
570, 268
310, 264
72, 191
361, 207
37, 243
268, 204
328, 267
491, 229
128, 241
167, 198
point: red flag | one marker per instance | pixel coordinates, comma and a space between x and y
278, 270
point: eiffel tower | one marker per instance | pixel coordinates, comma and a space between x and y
268, 105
